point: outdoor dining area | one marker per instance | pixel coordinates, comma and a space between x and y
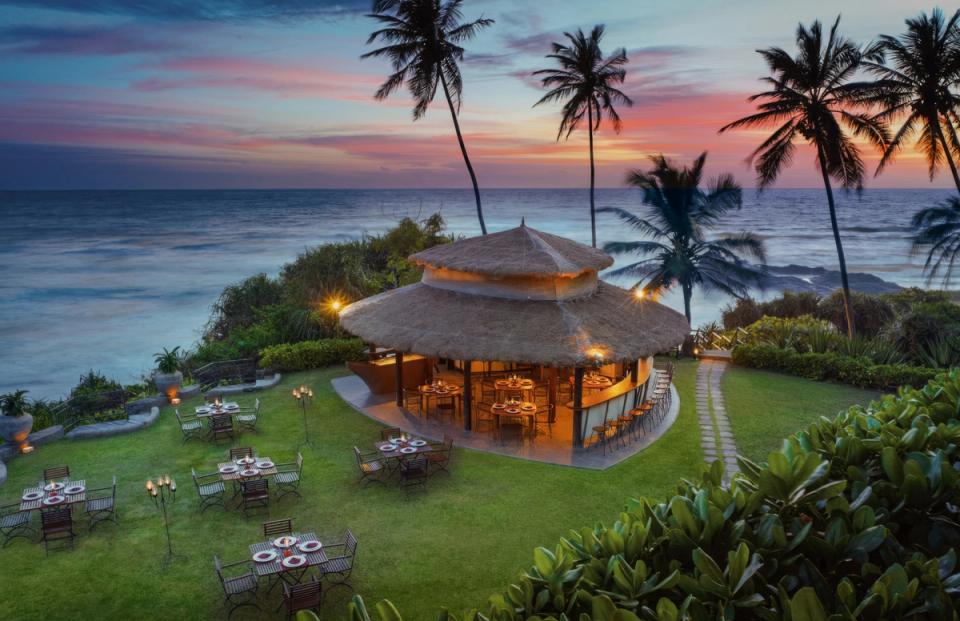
404, 457
300, 563
217, 419
244, 480
511, 342
60, 500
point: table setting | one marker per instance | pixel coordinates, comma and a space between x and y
247, 468
218, 407
404, 444
287, 553
51, 494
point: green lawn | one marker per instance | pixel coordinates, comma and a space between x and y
766, 407
464, 539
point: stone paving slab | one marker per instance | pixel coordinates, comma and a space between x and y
712, 416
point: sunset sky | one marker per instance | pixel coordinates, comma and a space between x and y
219, 94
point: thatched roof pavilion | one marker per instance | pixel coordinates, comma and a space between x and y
519, 295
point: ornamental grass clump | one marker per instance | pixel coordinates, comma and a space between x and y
854, 518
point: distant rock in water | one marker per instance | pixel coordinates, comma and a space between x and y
821, 280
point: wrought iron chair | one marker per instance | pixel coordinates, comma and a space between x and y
371, 466
221, 425
413, 474
546, 415
512, 428
56, 472
15, 523
239, 452
277, 527
56, 525
238, 588
340, 560
439, 458
247, 419
254, 494
412, 396
390, 432
190, 426
288, 477
304, 596
102, 508
210, 489
484, 416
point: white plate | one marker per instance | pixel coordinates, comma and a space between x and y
407, 450
243, 461
309, 546
387, 447
513, 411
75, 489
249, 472
228, 469
264, 465
418, 442
285, 542
528, 408
202, 410
53, 500
292, 562
53, 487
31, 496
232, 406
265, 556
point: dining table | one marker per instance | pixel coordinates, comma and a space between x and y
401, 448
513, 385
595, 381
54, 494
246, 468
227, 407
507, 409
439, 391
273, 558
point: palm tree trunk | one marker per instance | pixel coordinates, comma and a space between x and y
593, 175
463, 149
687, 296
949, 153
847, 310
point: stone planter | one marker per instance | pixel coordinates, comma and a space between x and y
168, 383
15, 429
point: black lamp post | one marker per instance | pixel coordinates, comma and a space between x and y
164, 491
304, 395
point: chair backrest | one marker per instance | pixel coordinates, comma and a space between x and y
302, 596
196, 477
219, 567
221, 422
277, 527
240, 451
299, 462
56, 518
386, 434
447, 443
350, 542
56, 472
114, 491
551, 412
176, 412
414, 468
256, 405
359, 455
255, 486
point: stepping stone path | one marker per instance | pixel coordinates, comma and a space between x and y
712, 417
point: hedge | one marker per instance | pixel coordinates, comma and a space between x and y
311, 354
832, 366
854, 518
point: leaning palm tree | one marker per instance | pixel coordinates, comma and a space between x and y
916, 82
937, 230
810, 98
423, 40
586, 83
678, 216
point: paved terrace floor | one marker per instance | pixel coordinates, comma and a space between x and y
555, 449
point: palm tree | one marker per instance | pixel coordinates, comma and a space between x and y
923, 66
938, 230
423, 40
810, 98
585, 81
678, 215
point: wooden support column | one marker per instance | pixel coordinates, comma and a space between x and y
577, 405
467, 406
399, 358
635, 371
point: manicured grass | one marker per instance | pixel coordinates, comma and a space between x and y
766, 407
453, 546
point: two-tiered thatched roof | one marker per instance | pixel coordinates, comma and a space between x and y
516, 296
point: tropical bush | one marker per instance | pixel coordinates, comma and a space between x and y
854, 518
168, 360
745, 311
796, 333
831, 366
924, 324
311, 354
870, 312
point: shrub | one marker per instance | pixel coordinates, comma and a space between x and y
857, 371
311, 354
871, 313
924, 324
854, 518
743, 312
746, 310
795, 332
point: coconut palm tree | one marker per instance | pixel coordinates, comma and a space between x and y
810, 98
916, 82
586, 83
679, 213
937, 229
423, 40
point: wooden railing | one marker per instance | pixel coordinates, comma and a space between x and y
242, 370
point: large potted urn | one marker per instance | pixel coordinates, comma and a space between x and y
15, 422
168, 377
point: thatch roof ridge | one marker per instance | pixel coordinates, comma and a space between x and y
520, 251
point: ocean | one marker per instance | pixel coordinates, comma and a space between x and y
102, 280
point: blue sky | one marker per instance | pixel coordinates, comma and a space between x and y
199, 94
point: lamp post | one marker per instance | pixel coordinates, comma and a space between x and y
304, 395
163, 491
